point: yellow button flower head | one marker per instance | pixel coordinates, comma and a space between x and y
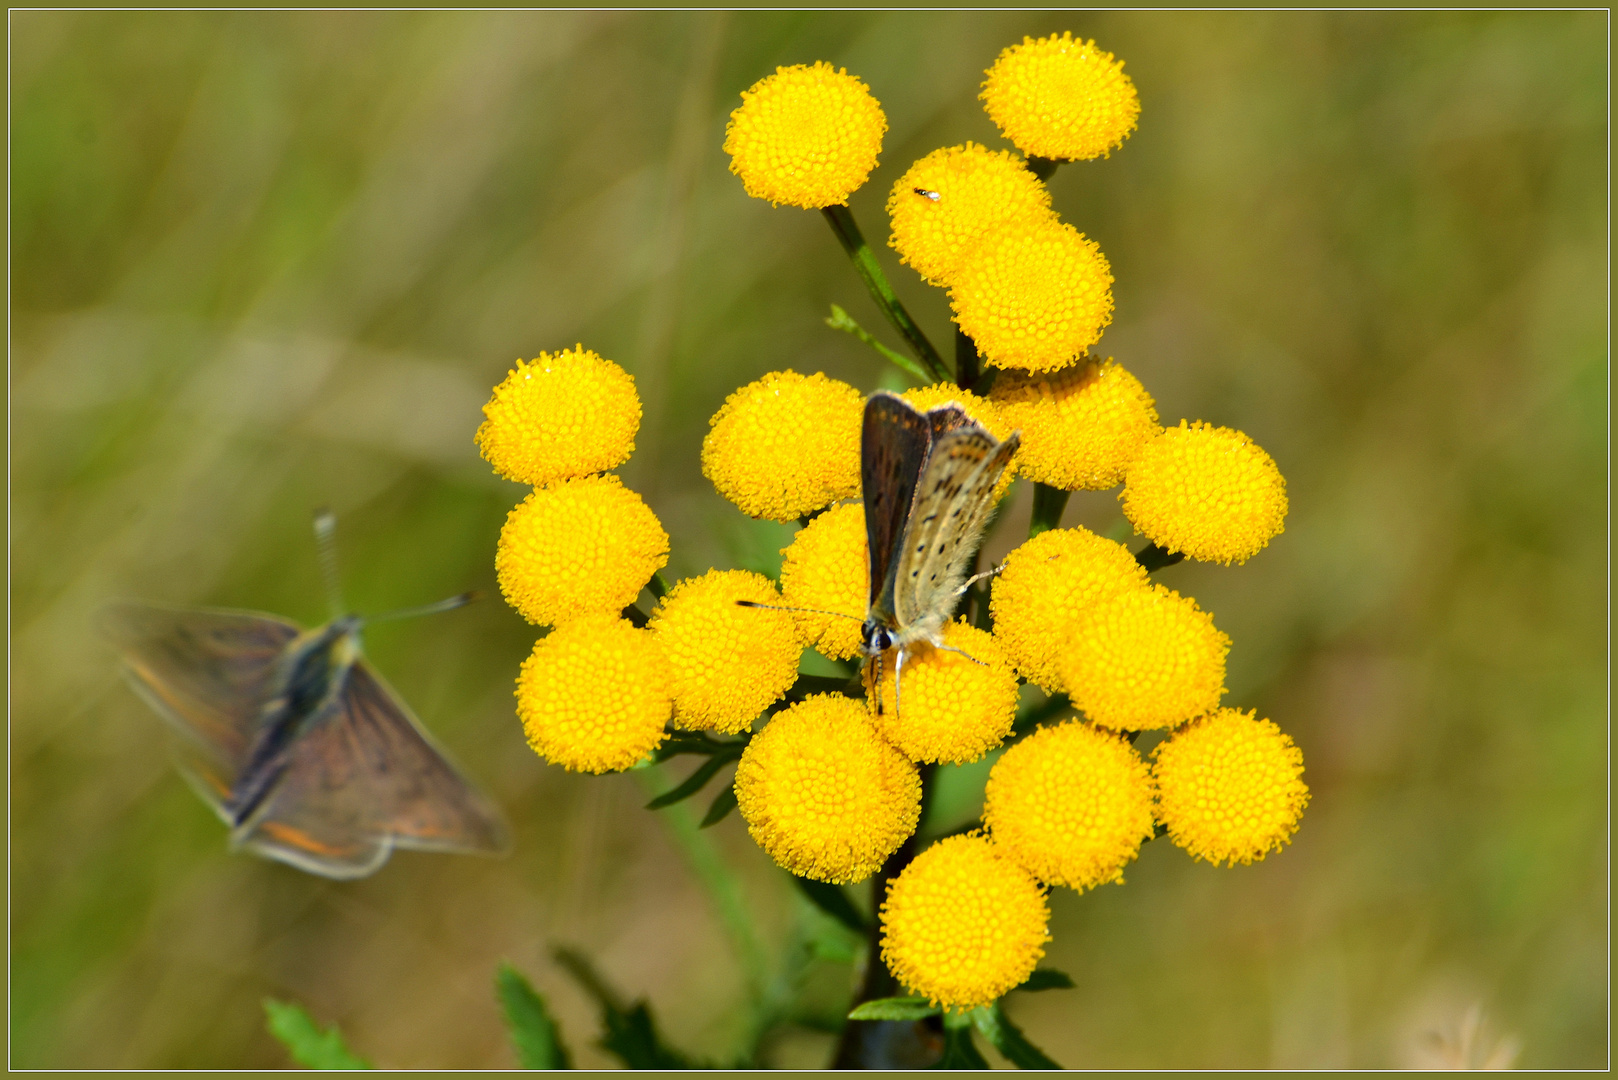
806, 136
977, 190
1034, 295
566, 414
951, 708
1207, 491
1071, 803
1062, 99
1147, 658
578, 547
1230, 787
1047, 584
964, 923
727, 663
786, 445
593, 695
826, 568
978, 408
1081, 426
823, 795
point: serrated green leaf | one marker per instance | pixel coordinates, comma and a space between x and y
834, 902
959, 1050
842, 320
1007, 1038
629, 1033
893, 1008
309, 1045
1047, 979
533, 1032
723, 803
696, 781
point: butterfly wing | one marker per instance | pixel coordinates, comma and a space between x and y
365, 780
952, 503
207, 673
893, 445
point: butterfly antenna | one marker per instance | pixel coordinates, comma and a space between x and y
460, 600
326, 546
811, 610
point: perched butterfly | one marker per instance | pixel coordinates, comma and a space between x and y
929, 480
295, 741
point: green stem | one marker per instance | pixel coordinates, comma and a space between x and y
1153, 557
1042, 167
842, 223
1049, 502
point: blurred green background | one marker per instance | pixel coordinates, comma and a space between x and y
264, 261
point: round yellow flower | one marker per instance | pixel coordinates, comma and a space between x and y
1207, 491
566, 414
1230, 787
978, 408
593, 695
964, 923
823, 795
786, 445
950, 708
577, 547
727, 663
1047, 584
826, 568
1147, 658
1071, 803
951, 199
1060, 98
806, 136
1081, 426
1034, 295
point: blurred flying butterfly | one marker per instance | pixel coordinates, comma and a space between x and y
294, 740
929, 480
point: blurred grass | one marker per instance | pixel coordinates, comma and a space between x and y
263, 261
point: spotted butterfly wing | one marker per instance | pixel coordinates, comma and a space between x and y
894, 441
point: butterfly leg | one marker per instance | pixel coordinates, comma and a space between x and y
898, 666
975, 578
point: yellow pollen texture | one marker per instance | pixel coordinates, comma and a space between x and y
951, 708
977, 190
727, 663
566, 414
593, 695
826, 568
823, 795
1048, 582
1230, 787
1208, 491
1081, 426
964, 923
1072, 804
1034, 295
1060, 98
578, 547
786, 445
1147, 658
806, 136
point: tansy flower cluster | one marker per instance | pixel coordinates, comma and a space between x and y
832, 774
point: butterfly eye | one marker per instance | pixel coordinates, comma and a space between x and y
933, 195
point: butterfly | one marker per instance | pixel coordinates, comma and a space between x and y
295, 741
929, 480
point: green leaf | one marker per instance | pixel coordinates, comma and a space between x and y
630, 1033
723, 803
893, 1008
842, 320
308, 1044
533, 1031
685, 742
1008, 1039
834, 902
696, 781
959, 1050
1047, 979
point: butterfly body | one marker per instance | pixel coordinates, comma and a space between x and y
929, 480
295, 741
